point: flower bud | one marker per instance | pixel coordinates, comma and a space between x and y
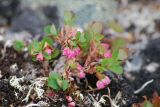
71, 104
81, 75
108, 54
48, 50
40, 57
69, 98
106, 80
100, 85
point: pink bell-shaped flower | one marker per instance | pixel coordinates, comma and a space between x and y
106, 80
108, 54
40, 57
69, 98
81, 74
48, 50
71, 104
100, 85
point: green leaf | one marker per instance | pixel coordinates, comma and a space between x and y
73, 65
73, 43
36, 46
53, 84
59, 82
99, 37
64, 84
34, 59
101, 49
82, 39
115, 26
116, 69
55, 75
55, 53
56, 82
119, 43
18, 46
122, 54
52, 81
30, 48
50, 30
78, 34
47, 40
100, 68
104, 62
95, 28
47, 30
69, 18
87, 37
115, 53
109, 61
68, 15
53, 30
47, 56
85, 47
148, 104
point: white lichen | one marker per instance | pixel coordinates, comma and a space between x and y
103, 101
97, 103
36, 85
39, 104
15, 82
113, 101
14, 67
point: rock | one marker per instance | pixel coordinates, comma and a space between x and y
60, 65
152, 67
3, 21
85, 10
135, 64
51, 12
152, 51
12, 36
33, 17
148, 71
8, 8
35, 4
157, 24
138, 19
88, 10
128, 98
29, 20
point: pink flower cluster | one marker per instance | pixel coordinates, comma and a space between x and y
70, 101
48, 50
108, 54
81, 73
101, 84
71, 53
106, 46
40, 56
